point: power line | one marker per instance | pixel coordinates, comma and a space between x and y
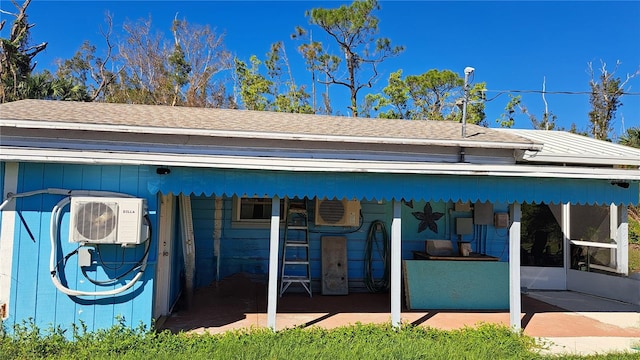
555, 92
502, 92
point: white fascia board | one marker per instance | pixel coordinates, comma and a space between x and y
265, 135
321, 165
532, 156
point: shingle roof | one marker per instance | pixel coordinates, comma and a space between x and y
80, 115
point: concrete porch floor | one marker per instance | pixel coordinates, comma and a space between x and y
237, 302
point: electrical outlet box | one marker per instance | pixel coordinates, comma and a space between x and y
483, 213
84, 257
464, 226
501, 220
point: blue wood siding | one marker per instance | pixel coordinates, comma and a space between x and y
32, 293
246, 249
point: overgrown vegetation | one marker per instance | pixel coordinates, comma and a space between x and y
487, 341
634, 258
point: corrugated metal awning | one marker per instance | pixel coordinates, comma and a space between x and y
566, 148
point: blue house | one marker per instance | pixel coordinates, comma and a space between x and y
118, 210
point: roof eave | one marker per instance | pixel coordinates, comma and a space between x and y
464, 143
307, 164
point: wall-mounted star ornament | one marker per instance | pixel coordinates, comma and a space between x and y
427, 219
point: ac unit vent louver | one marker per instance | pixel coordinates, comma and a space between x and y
97, 220
337, 212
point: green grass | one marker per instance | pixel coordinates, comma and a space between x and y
486, 341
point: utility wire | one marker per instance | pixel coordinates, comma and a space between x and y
502, 92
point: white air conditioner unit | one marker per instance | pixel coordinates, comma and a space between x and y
337, 212
107, 220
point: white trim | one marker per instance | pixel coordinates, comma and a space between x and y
515, 307
566, 231
325, 165
396, 261
61, 125
622, 239
594, 244
164, 235
7, 234
274, 245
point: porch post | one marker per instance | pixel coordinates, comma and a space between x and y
622, 239
165, 255
515, 306
272, 301
7, 234
396, 260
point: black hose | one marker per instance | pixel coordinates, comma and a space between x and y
383, 251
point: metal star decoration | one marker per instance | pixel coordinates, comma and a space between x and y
427, 219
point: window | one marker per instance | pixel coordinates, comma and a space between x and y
253, 212
592, 246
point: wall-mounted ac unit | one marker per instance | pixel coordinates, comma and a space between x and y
337, 212
106, 220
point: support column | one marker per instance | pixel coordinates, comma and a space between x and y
515, 306
396, 263
7, 233
274, 246
165, 231
566, 231
622, 239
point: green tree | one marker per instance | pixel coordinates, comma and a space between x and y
277, 91
515, 105
605, 98
16, 57
631, 137
354, 28
255, 89
433, 95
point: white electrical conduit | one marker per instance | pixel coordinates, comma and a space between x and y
53, 236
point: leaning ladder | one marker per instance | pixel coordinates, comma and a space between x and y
295, 253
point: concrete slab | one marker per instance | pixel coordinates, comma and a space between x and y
596, 326
591, 345
604, 310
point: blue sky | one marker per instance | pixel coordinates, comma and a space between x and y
512, 45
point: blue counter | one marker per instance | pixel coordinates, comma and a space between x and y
463, 285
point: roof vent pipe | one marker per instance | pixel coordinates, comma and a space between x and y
467, 71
